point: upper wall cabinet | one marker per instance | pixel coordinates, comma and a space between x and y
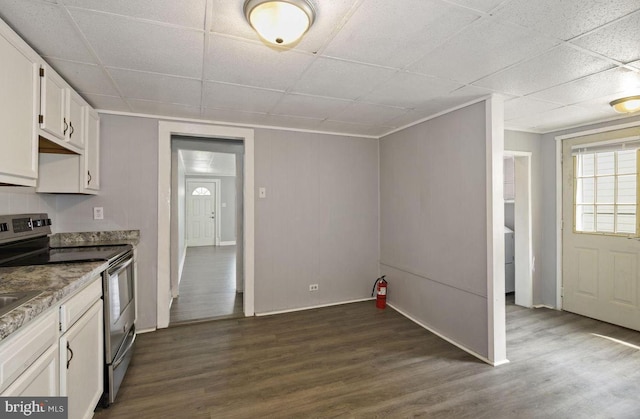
61, 111
18, 109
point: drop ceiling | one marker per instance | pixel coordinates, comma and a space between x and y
366, 67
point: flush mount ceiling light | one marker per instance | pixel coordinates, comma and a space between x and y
626, 104
280, 22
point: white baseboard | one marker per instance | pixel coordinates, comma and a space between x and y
229, 243
271, 313
451, 341
149, 330
544, 306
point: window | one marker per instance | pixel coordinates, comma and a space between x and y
201, 191
605, 187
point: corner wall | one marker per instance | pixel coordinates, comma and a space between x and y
433, 201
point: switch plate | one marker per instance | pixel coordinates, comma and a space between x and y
98, 213
262, 192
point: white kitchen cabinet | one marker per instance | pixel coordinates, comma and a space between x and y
24, 356
74, 173
19, 87
40, 379
82, 350
61, 112
82, 363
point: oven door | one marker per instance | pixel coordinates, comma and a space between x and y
119, 307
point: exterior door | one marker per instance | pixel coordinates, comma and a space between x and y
201, 204
601, 251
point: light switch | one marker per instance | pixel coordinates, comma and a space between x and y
98, 213
262, 192
224, 205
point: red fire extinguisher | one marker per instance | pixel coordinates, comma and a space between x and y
381, 292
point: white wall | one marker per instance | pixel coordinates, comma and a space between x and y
319, 221
433, 217
524, 141
129, 195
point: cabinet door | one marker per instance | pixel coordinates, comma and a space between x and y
82, 363
75, 133
52, 104
18, 107
40, 379
92, 151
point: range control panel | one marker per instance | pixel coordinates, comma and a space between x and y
22, 226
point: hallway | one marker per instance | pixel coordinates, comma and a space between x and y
208, 286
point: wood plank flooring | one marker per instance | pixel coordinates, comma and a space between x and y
355, 361
208, 286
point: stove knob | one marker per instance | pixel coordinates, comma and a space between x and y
47, 222
37, 223
4, 227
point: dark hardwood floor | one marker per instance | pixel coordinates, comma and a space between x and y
208, 286
355, 361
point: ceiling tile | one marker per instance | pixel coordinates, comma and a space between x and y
190, 13
85, 78
620, 40
157, 87
409, 90
552, 120
526, 106
482, 49
341, 79
229, 96
635, 64
108, 103
482, 5
164, 109
137, 45
353, 129
46, 27
565, 19
372, 34
309, 106
293, 122
234, 116
555, 67
254, 64
591, 87
228, 18
366, 113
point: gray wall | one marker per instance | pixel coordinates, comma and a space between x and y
524, 141
433, 224
21, 199
548, 245
319, 221
228, 213
129, 195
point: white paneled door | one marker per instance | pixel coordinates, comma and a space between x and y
601, 254
201, 216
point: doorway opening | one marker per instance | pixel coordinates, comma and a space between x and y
518, 228
168, 235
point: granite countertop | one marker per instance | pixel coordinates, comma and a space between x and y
55, 281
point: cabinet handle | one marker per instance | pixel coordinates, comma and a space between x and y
89, 180
69, 350
66, 126
72, 129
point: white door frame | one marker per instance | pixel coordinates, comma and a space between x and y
559, 196
523, 228
217, 203
165, 130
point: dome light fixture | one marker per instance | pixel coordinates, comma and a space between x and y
280, 22
626, 104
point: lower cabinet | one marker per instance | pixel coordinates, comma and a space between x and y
40, 379
81, 363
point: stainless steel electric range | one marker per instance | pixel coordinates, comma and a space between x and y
24, 241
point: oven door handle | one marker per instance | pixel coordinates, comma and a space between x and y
120, 267
119, 360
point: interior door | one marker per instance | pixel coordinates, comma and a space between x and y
201, 214
601, 252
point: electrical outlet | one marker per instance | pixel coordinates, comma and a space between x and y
313, 287
262, 192
98, 213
